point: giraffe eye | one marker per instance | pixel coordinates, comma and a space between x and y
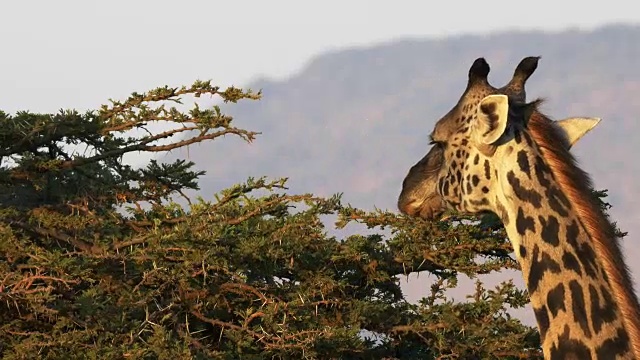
435, 142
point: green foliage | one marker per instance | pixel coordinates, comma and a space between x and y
97, 260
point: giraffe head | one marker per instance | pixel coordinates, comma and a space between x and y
472, 140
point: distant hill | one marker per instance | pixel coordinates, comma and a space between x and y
355, 120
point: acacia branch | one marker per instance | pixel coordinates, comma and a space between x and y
199, 88
249, 136
53, 233
223, 324
27, 282
136, 241
265, 338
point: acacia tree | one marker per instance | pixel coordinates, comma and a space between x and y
97, 260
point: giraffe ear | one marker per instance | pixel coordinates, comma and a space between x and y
575, 128
492, 118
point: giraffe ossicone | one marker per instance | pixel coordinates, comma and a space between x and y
493, 151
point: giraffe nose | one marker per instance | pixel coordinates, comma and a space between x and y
427, 209
409, 207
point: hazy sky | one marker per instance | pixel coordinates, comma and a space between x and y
78, 53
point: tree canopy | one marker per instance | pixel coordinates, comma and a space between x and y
102, 260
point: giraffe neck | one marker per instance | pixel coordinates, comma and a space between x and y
575, 304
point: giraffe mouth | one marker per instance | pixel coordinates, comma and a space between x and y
429, 209
430, 213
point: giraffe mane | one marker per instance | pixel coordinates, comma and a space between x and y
577, 186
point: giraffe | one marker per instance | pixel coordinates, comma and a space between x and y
494, 152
